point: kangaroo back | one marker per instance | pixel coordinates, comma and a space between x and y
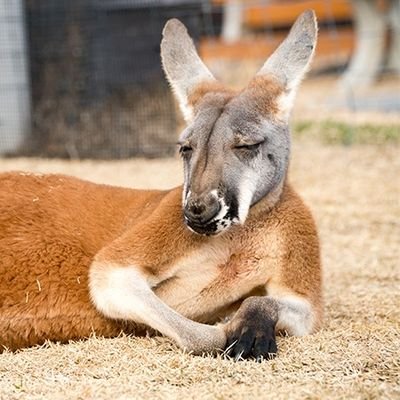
51, 227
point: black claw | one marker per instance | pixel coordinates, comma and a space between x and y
273, 348
261, 346
229, 348
255, 342
244, 346
231, 344
265, 344
266, 357
238, 356
251, 333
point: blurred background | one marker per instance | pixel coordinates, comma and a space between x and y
82, 78
82, 93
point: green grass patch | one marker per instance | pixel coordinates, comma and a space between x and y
344, 133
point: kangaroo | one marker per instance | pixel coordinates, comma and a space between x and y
223, 262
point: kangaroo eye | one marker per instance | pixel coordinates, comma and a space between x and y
250, 147
184, 150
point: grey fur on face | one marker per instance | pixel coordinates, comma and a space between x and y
239, 157
236, 148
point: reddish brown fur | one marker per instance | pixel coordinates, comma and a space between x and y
205, 91
264, 92
47, 242
65, 243
281, 247
52, 227
261, 95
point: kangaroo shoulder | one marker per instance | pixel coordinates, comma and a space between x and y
292, 210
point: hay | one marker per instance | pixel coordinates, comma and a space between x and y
355, 196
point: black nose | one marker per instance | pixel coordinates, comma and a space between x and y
201, 210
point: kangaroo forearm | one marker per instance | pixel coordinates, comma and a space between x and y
122, 292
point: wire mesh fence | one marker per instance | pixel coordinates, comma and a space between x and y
92, 76
97, 89
83, 78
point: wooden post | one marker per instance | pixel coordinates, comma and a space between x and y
14, 80
394, 50
370, 41
232, 21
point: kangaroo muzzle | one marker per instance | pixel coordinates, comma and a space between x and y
200, 210
209, 214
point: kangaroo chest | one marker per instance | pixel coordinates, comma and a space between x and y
194, 272
211, 278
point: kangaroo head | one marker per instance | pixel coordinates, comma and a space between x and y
236, 145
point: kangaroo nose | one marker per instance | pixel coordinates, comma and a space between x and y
202, 210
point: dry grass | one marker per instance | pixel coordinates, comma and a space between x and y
355, 195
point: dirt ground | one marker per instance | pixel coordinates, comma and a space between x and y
354, 193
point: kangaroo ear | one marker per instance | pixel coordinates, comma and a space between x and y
290, 61
182, 65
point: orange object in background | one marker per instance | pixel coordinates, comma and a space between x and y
283, 13
337, 42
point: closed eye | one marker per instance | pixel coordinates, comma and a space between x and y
250, 147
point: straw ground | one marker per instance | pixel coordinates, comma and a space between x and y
354, 193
